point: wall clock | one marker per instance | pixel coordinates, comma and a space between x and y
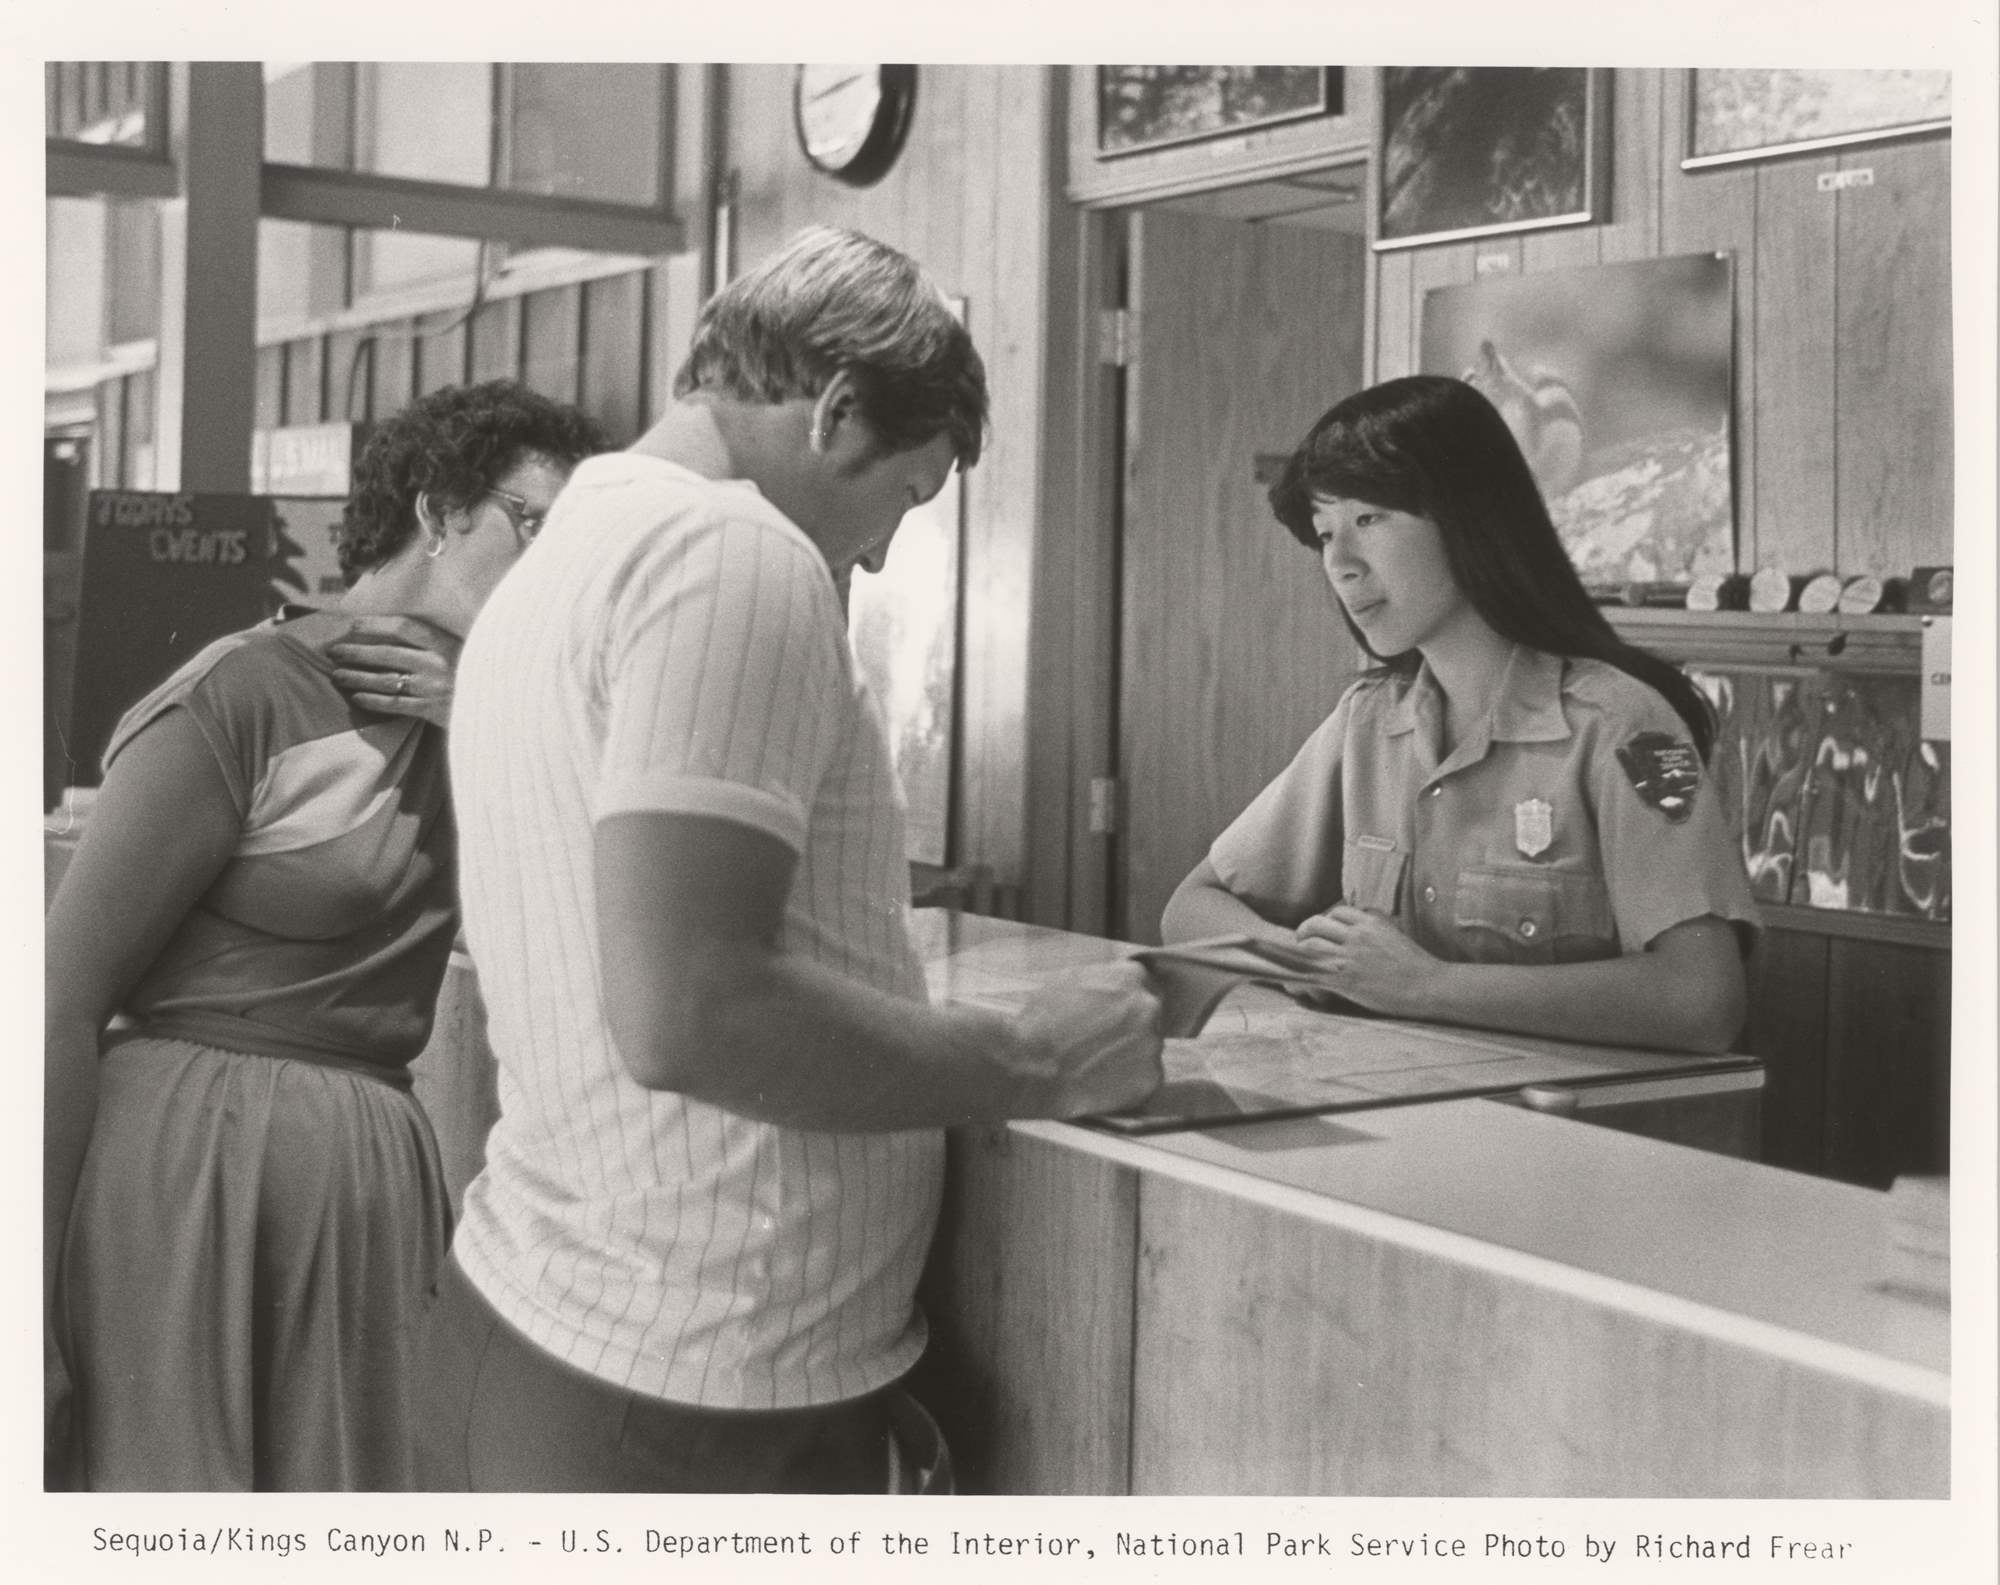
852, 120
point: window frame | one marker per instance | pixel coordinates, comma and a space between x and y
81, 169
213, 113
325, 196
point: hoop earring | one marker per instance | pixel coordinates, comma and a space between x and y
435, 549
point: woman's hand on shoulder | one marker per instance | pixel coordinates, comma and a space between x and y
397, 665
1372, 961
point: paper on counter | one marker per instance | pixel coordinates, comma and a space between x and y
1192, 977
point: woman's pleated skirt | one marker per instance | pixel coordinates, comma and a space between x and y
253, 1244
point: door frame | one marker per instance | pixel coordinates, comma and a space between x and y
1071, 870
1072, 727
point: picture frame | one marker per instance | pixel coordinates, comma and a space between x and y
1271, 151
1735, 114
1616, 381
1140, 108
1480, 151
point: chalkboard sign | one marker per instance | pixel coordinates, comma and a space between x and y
162, 576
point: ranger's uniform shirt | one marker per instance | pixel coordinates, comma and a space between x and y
1574, 822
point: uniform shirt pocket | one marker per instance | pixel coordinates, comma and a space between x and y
1509, 915
1371, 875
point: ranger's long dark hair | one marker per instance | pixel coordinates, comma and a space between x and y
1434, 447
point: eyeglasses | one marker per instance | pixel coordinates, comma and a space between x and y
525, 521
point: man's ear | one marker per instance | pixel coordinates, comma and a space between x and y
836, 407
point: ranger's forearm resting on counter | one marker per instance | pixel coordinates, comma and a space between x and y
161, 829
701, 1000
1202, 906
1685, 992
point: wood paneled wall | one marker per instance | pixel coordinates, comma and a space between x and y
1855, 1038
1843, 433
1843, 381
972, 198
1843, 324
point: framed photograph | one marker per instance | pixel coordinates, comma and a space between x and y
1615, 379
1744, 114
1475, 151
1153, 107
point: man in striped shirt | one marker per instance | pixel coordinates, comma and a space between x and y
691, 1259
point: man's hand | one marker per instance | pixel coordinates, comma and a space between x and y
1100, 1030
397, 665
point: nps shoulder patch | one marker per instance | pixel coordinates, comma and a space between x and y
1664, 771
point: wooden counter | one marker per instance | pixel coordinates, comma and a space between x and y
1456, 1299
1461, 1298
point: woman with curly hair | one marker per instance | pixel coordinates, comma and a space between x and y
242, 960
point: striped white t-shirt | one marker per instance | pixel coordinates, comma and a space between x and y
674, 643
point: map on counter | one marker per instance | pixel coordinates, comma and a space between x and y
1264, 1056
1261, 1055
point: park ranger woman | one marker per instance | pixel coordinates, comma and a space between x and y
1509, 822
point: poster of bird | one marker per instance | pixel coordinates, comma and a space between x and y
1616, 381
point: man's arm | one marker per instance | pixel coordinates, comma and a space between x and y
701, 1000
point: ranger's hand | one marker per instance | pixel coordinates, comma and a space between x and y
1372, 961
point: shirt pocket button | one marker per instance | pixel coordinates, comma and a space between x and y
1430, 894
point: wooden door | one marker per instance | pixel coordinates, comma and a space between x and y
1231, 650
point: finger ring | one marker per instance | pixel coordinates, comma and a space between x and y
402, 683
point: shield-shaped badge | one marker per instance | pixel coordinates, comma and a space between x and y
1664, 771
1534, 827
